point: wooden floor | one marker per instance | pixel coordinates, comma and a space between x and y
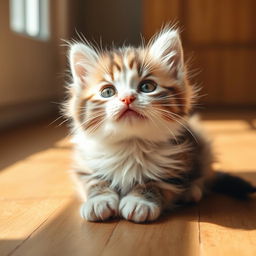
39, 211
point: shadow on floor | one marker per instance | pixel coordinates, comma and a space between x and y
20, 143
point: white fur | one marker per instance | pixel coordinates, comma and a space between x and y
138, 209
127, 162
100, 207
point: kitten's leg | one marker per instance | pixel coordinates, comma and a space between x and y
143, 203
196, 190
193, 195
101, 204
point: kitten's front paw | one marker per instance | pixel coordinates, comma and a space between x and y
100, 207
138, 209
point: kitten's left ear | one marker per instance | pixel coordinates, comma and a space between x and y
166, 47
81, 58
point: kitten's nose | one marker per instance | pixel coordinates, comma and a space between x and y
128, 99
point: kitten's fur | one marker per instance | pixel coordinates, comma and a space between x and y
130, 164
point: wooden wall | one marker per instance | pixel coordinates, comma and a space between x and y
220, 38
110, 21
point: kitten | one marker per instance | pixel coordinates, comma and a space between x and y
137, 149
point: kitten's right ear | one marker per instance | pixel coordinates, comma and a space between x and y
81, 58
166, 47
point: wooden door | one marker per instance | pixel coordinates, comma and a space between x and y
219, 36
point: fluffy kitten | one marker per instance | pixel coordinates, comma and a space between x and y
137, 151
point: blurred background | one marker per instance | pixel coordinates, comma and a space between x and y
219, 37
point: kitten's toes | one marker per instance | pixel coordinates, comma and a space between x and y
101, 207
139, 209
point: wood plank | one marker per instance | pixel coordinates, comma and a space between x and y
174, 234
227, 227
33, 162
38, 176
65, 233
220, 21
234, 140
25, 140
79, 237
20, 218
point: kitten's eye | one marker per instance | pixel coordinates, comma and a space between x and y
108, 92
147, 86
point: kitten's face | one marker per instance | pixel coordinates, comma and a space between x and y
130, 91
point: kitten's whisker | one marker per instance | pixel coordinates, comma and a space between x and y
172, 115
187, 129
149, 116
94, 128
170, 98
58, 118
92, 117
170, 105
55, 120
85, 122
173, 135
63, 122
175, 94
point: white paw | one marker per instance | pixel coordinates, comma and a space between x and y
100, 207
138, 209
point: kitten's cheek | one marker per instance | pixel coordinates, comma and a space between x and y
110, 112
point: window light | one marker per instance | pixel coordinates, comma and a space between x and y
30, 17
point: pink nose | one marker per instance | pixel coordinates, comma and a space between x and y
128, 99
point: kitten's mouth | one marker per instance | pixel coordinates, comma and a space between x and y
129, 113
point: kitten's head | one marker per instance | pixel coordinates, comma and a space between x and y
130, 92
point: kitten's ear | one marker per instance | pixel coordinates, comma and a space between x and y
166, 47
81, 58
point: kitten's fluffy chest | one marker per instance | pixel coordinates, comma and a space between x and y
129, 162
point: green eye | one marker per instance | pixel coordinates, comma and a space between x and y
147, 86
108, 92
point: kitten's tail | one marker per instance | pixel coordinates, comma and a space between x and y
232, 186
